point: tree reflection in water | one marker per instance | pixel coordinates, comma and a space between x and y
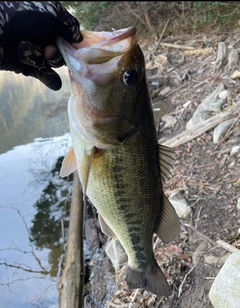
52, 206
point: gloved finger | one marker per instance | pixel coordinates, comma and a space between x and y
33, 55
40, 28
46, 75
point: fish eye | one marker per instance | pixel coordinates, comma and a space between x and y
130, 78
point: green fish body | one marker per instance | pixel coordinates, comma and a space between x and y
116, 152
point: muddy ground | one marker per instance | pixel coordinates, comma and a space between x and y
206, 174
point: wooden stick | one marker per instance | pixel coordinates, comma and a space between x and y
204, 126
199, 51
71, 282
177, 46
161, 36
227, 246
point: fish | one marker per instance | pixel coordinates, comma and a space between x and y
115, 149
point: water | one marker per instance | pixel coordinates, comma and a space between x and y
33, 135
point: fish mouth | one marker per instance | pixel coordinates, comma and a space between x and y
105, 46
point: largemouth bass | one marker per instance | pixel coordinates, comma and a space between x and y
116, 151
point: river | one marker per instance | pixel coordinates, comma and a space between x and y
33, 135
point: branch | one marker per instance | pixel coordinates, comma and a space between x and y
177, 46
24, 268
71, 282
204, 126
44, 270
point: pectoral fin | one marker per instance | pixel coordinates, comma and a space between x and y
166, 161
106, 229
69, 164
169, 226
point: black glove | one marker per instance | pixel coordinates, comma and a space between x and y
27, 28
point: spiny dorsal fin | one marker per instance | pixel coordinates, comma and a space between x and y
106, 229
169, 227
166, 162
69, 164
85, 170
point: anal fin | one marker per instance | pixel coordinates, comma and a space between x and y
106, 229
169, 226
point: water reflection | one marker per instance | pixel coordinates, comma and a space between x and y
30, 218
28, 109
32, 196
52, 208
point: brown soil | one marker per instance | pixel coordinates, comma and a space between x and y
206, 174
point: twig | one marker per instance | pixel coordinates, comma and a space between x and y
227, 15
111, 304
177, 46
197, 219
173, 91
43, 272
201, 234
235, 197
200, 83
210, 278
229, 129
63, 231
227, 246
181, 285
161, 36
132, 301
201, 51
158, 304
235, 42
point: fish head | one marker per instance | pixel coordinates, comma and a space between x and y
107, 73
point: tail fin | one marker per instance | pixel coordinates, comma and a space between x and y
154, 280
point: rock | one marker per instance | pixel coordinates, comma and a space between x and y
169, 121
165, 91
208, 105
187, 104
235, 149
236, 75
215, 106
238, 204
116, 254
221, 129
232, 59
224, 291
224, 95
221, 57
199, 252
216, 261
180, 204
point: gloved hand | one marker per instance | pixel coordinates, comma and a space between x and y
28, 35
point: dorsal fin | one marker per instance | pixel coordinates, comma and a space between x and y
169, 226
69, 164
166, 162
105, 228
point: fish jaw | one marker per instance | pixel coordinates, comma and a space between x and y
96, 67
